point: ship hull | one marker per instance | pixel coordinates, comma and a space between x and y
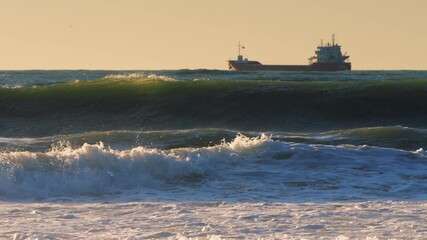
257, 66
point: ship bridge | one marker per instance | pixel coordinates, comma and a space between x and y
329, 53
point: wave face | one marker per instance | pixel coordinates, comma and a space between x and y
157, 102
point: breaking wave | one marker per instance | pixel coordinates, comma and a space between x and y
96, 169
229, 169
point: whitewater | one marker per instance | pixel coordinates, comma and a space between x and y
209, 154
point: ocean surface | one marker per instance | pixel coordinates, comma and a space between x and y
211, 154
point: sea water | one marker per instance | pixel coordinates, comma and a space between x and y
209, 154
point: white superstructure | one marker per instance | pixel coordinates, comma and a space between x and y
329, 53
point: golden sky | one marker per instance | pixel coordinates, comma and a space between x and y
176, 34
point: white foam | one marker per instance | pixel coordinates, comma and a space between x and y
11, 86
94, 168
139, 75
207, 220
419, 151
242, 169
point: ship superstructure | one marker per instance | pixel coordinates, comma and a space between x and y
328, 58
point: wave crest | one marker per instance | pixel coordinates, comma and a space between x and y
95, 168
242, 105
139, 75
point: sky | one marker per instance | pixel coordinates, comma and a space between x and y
194, 34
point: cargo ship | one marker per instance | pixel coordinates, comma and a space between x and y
328, 58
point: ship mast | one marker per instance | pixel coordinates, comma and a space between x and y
239, 46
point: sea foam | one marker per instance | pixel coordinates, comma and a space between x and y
95, 168
238, 170
140, 75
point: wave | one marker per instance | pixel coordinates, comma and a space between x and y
396, 137
152, 103
96, 169
392, 136
259, 166
164, 139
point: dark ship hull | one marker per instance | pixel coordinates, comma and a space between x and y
257, 66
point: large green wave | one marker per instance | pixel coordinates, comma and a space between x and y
151, 103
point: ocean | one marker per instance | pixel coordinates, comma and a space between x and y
212, 154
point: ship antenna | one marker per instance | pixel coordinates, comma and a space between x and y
240, 46
333, 39
321, 42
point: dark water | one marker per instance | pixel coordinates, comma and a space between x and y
156, 103
205, 126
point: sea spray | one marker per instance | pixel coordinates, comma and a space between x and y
94, 168
282, 169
